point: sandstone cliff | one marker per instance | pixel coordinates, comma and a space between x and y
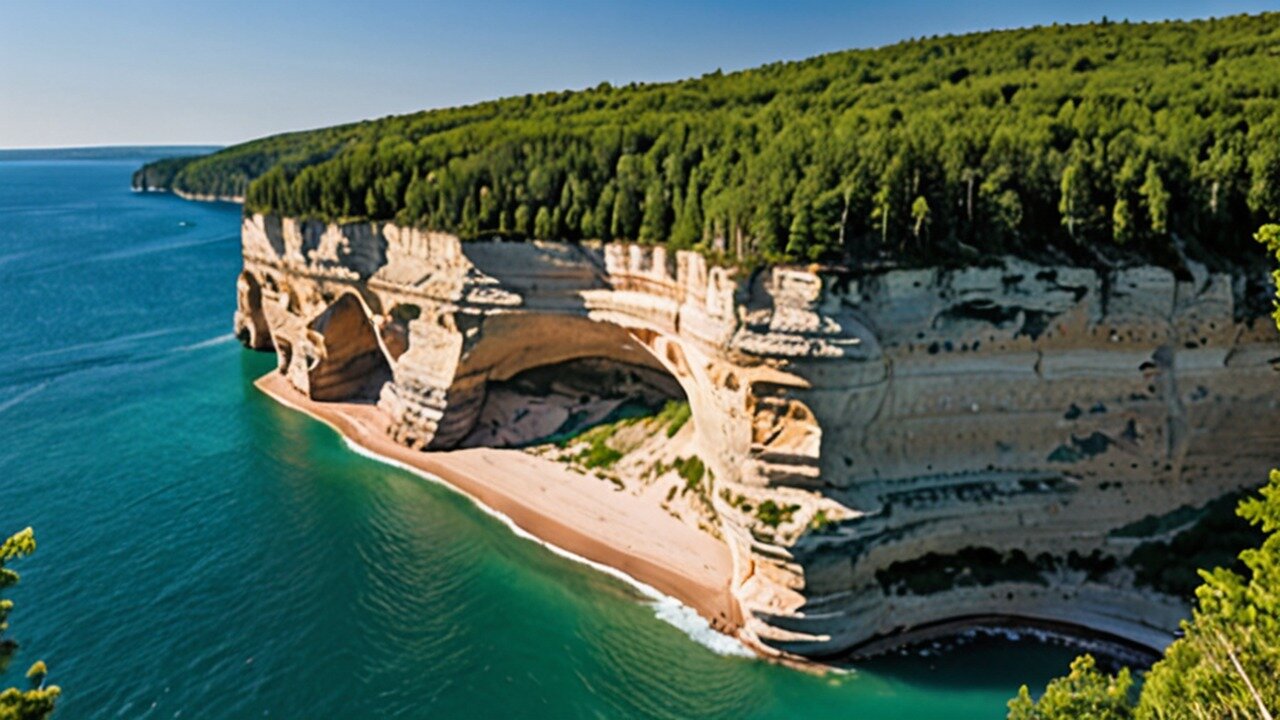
888, 451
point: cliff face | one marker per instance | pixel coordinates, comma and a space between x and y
888, 452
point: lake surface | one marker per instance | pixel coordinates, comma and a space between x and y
206, 553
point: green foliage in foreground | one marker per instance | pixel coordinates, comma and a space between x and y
1269, 235
1226, 665
1093, 144
1084, 693
36, 702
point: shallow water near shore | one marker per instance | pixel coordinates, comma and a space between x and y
205, 552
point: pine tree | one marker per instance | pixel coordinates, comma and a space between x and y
655, 227
800, 234
1157, 200
542, 227
688, 228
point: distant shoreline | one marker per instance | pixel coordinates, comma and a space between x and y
106, 152
193, 197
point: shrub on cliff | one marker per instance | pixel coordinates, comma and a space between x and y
36, 702
674, 415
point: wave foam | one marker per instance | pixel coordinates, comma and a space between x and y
22, 396
665, 608
211, 342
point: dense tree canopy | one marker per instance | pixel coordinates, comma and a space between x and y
1093, 144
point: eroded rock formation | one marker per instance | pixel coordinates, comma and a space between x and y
888, 450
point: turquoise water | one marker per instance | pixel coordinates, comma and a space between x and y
206, 553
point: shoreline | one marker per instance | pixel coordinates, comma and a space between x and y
191, 197
582, 519
1083, 638
573, 515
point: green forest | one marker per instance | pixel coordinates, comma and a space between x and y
1095, 144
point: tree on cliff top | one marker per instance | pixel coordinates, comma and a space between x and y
36, 702
1226, 665
1085, 144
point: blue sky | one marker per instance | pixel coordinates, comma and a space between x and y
222, 71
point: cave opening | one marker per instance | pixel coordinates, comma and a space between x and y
556, 402
352, 366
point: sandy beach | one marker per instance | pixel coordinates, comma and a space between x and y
576, 513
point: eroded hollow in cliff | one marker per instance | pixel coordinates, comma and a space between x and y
527, 377
554, 402
353, 365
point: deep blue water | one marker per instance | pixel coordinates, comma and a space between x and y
206, 553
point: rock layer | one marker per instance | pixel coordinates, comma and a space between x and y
889, 450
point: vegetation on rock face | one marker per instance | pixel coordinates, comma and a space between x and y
820, 522
597, 452
970, 566
1091, 144
772, 514
674, 415
1226, 665
1215, 539
36, 702
691, 470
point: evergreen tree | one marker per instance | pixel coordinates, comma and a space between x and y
1096, 144
1157, 200
542, 226
655, 226
523, 223
919, 215
1076, 198
688, 229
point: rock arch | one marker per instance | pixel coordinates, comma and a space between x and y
251, 322
394, 328
514, 343
350, 362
